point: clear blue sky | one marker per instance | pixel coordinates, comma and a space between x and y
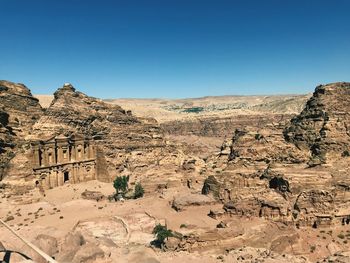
175, 48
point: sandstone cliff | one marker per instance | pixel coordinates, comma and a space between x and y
323, 127
115, 131
125, 144
19, 110
271, 172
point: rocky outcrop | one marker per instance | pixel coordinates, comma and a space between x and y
115, 131
18, 102
339, 257
19, 110
249, 254
73, 111
323, 127
219, 126
93, 195
271, 172
47, 243
180, 202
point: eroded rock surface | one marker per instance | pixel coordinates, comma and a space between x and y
271, 172
323, 127
19, 110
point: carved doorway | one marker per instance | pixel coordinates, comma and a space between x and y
65, 176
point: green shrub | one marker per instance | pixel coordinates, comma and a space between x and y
183, 226
194, 110
139, 191
161, 233
121, 184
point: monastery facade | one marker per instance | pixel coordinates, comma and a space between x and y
62, 159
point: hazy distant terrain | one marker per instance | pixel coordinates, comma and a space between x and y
164, 110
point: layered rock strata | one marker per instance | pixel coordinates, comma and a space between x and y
123, 144
19, 110
272, 172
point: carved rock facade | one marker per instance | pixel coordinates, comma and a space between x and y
63, 159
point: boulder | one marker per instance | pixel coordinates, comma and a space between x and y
182, 201
171, 243
88, 253
47, 243
93, 195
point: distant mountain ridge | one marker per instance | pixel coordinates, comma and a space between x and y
164, 110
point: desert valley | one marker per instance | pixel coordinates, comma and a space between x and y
212, 179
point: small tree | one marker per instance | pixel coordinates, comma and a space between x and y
121, 184
139, 191
162, 233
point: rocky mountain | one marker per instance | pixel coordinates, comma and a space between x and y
271, 172
19, 110
323, 127
117, 133
277, 190
124, 144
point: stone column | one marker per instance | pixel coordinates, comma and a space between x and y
65, 154
50, 158
84, 153
73, 158
92, 153
36, 157
77, 173
44, 156
60, 177
57, 178
52, 179
55, 154
89, 151
59, 155
78, 152
74, 179
47, 182
94, 171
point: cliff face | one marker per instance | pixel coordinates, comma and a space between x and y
23, 109
116, 132
278, 172
74, 111
221, 126
19, 110
323, 127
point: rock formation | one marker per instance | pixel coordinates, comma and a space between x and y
268, 187
116, 134
271, 172
19, 110
219, 126
323, 127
